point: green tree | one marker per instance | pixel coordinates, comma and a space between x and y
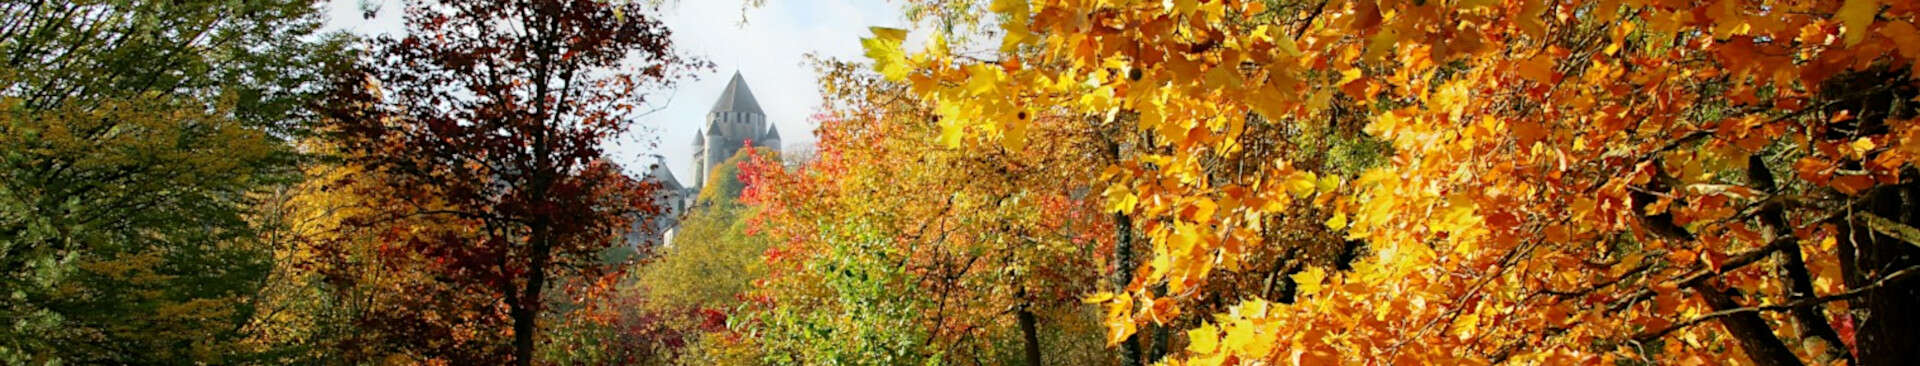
712, 260
135, 138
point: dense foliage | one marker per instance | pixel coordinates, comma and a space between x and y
214, 182
492, 116
1665, 181
1031, 182
135, 140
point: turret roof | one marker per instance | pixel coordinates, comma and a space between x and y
737, 97
660, 173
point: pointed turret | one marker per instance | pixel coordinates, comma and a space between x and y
736, 98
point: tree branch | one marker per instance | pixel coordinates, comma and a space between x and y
1889, 280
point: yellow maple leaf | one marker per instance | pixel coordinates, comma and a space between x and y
1096, 298
1013, 22
982, 78
1309, 280
1239, 336
1857, 15
1015, 134
1339, 221
1285, 43
1328, 183
884, 48
1120, 199
950, 131
1184, 237
1204, 339
1465, 325
1302, 183
1348, 76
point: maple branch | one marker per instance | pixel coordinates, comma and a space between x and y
1799, 279
1696, 135
1643, 267
1701, 275
1892, 228
1454, 314
1889, 280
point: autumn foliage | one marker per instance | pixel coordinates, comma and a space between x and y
1649, 180
492, 116
1084, 182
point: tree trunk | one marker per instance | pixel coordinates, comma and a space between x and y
1122, 276
1030, 332
1759, 342
1161, 335
1885, 334
526, 311
1799, 280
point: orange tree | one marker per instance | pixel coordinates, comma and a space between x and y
900, 251
1653, 180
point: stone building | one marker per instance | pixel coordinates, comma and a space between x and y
734, 121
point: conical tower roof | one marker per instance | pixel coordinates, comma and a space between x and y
661, 174
737, 97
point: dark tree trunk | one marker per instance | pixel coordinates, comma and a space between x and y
1886, 330
526, 311
1755, 337
1799, 280
1161, 337
1122, 276
1029, 330
1884, 319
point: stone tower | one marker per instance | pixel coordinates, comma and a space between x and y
734, 121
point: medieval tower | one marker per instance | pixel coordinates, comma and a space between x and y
734, 121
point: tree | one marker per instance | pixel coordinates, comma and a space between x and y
1567, 180
678, 302
887, 250
135, 140
494, 113
346, 289
713, 260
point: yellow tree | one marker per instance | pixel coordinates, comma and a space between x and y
344, 286
1567, 179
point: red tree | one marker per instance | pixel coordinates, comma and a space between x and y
496, 112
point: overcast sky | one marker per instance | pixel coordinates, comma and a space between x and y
769, 50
